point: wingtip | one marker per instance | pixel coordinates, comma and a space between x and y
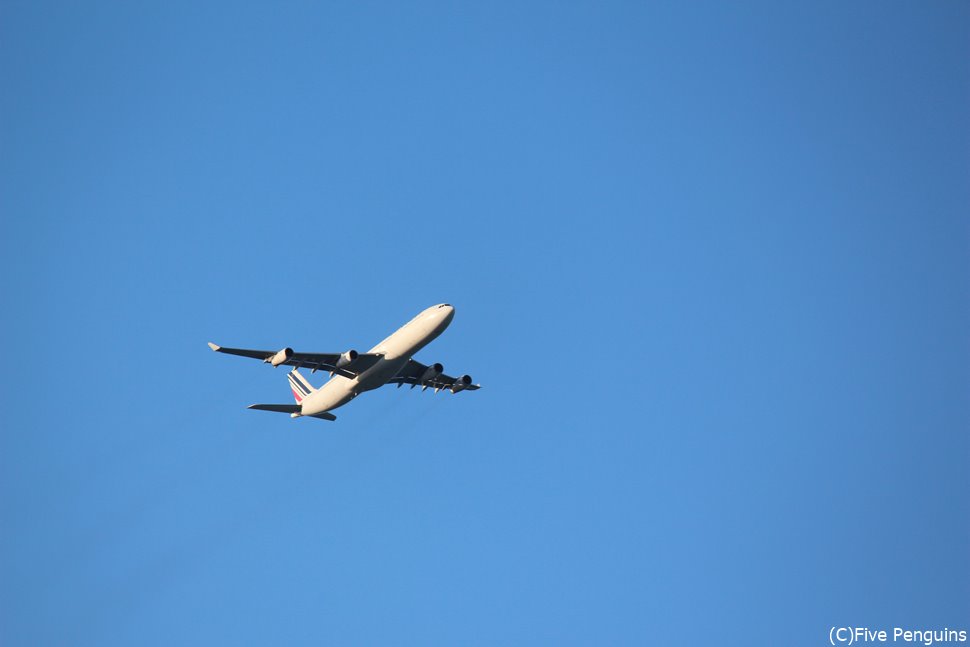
213, 346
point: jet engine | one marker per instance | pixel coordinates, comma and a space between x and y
433, 371
281, 357
461, 383
346, 358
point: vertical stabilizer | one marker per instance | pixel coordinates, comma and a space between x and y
301, 388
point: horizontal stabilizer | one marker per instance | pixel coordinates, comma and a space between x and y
292, 409
279, 408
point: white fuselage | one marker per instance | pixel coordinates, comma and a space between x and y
396, 350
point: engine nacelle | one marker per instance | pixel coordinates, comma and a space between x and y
281, 357
433, 371
347, 358
461, 383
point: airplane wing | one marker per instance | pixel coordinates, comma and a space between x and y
349, 364
414, 374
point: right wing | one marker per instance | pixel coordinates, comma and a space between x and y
413, 371
349, 364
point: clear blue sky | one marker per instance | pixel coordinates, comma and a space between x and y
711, 263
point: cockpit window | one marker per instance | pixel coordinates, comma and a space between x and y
445, 305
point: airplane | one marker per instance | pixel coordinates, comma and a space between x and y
352, 373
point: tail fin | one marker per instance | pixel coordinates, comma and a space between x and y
301, 388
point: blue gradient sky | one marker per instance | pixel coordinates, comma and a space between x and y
712, 264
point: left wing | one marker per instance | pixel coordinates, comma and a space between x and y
416, 373
349, 364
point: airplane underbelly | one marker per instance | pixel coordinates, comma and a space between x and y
378, 375
335, 393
